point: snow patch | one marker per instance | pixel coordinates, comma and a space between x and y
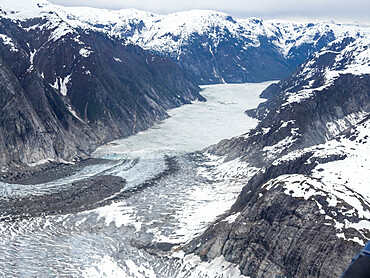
73, 112
8, 41
84, 52
337, 126
63, 85
48, 160
215, 168
231, 219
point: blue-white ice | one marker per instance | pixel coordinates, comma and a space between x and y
99, 243
195, 126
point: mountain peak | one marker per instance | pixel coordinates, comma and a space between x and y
24, 8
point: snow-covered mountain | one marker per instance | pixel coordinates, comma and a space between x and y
72, 52
213, 46
66, 90
306, 212
169, 33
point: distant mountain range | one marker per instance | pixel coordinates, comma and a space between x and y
214, 46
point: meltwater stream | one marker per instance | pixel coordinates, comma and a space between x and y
131, 235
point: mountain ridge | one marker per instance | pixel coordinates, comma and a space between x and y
195, 37
212, 46
305, 208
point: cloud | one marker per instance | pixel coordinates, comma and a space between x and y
354, 10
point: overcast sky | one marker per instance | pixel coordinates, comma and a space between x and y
338, 10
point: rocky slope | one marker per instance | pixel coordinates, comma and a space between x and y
66, 90
306, 212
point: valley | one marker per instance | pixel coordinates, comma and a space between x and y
130, 228
135, 144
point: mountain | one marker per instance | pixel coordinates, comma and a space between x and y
324, 96
79, 77
74, 78
306, 211
214, 46
66, 90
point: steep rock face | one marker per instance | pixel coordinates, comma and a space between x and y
305, 215
306, 212
66, 90
35, 123
277, 235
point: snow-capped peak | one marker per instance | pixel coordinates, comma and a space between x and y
168, 33
186, 36
22, 9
